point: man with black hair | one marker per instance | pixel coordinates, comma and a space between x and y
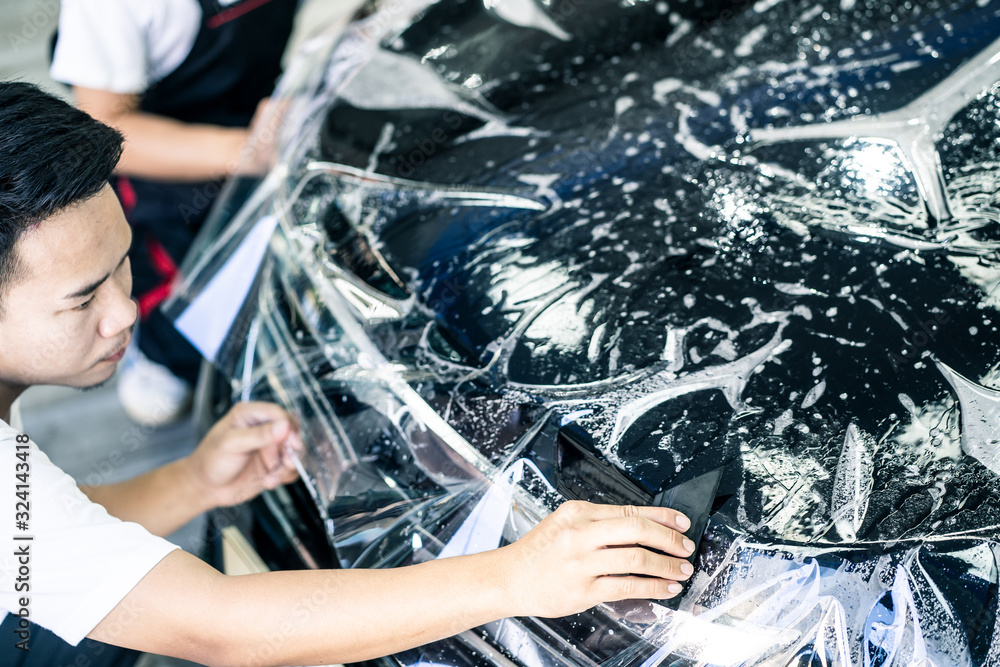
88, 562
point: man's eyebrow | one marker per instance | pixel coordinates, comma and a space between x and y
92, 287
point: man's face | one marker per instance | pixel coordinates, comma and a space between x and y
69, 319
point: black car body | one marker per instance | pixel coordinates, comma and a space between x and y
735, 257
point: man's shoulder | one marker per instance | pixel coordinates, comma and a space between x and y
110, 8
123, 45
8, 432
147, 15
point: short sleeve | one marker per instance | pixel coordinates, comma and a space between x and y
102, 44
70, 560
123, 46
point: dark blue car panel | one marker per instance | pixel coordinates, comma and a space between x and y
648, 244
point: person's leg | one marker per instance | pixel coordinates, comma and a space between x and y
47, 650
157, 379
154, 265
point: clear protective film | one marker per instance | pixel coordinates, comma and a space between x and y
737, 258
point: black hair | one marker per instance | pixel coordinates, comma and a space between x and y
52, 156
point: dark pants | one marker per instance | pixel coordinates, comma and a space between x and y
47, 650
165, 218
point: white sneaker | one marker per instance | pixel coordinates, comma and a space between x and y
149, 392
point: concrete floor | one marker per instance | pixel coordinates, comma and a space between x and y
26, 26
87, 433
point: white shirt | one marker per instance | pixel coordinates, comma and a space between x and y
15, 416
124, 46
82, 561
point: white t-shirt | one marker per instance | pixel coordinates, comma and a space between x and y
124, 46
81, 561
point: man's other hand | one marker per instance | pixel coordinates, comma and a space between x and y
261, 150
246, 453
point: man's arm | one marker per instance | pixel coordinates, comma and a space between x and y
161, 501
243, 454
579, 556
161, 148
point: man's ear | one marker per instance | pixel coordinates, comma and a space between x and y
12, 273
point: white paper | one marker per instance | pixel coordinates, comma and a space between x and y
210, 316
483, 528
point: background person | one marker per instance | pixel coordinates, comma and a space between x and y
182, 80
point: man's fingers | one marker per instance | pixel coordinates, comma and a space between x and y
662, 515
276, 461
253, 425
294, 442
270, 457
288, 476
254, 413
636, 560
275, 479
638, 530
610, 589
257, 438
272, 479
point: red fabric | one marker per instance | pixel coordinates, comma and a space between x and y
232, 14
126, 195
167, 269
161, 260
153, 298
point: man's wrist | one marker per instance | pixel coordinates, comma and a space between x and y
502, 595
235, 152
201, 495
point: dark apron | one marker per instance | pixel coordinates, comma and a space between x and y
233, 65
45, 649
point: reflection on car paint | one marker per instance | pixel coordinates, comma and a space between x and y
637, 244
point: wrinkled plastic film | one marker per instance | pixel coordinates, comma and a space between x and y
815, 311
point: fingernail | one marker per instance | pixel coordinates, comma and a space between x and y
683, 522
277, 428
687, 568
675, 588
688, 545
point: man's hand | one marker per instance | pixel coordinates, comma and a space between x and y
241, 456
584, 554
245, 453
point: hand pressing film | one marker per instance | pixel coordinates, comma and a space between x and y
584, 554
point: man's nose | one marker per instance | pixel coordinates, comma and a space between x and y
121, 315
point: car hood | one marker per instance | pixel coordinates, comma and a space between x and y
643, 245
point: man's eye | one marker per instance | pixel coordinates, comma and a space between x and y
85, 304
